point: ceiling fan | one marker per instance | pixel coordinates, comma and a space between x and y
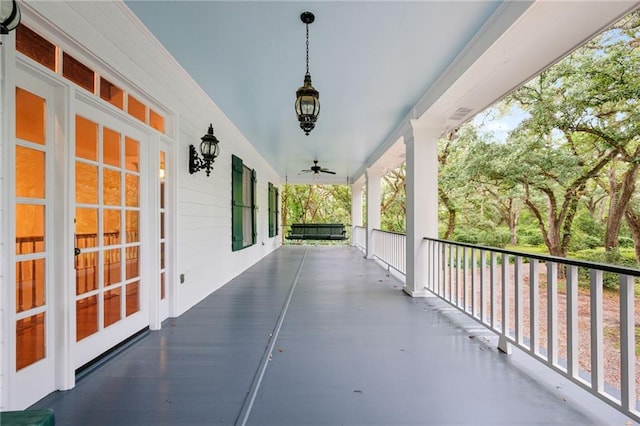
317, 169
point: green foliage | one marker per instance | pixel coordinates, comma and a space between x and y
469, 236
626, 242
540, 249
582, 241
589, 225
498, 237
530, 236
622, 257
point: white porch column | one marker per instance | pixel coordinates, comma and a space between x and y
373, 206
422, 202
356, 209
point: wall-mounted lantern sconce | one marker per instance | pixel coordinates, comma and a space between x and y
9, 16
209, 150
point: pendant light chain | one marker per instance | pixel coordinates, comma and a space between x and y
307, 48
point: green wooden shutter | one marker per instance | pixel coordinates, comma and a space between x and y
236, 203
254, 206
275, 210
272, 227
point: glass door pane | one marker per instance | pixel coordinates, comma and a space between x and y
31, 291
107, 264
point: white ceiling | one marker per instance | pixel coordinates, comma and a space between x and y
374, 63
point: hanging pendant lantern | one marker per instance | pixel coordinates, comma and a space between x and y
307, 97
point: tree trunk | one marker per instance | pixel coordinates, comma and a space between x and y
513, 227
619, 196
633, 220
551, 236
554, 244
451, 215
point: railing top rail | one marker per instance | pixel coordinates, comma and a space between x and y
390, 232
567, 261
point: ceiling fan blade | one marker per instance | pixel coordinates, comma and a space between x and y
306, 171
328, 171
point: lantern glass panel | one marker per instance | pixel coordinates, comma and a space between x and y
6, 7
206, 148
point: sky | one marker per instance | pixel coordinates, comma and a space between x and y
489, 122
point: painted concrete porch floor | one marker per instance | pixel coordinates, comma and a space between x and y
352, 349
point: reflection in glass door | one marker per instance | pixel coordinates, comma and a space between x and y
31, 242
107, 239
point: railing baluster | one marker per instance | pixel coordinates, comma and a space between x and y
33, 283
533, 307
473, 282
505, 295
456, 278
597, 350
438, 267
518, 289
552, 313
482, 287
20, 279
465, 270
448, 291
429, 260
441, 269
494, 291
573, 330
627, 343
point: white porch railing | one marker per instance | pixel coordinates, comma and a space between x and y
555, 309
359, 237
390, 248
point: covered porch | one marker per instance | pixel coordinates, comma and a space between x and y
322, 335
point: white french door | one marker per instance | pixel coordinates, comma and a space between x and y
33, 292
111, 294
163, 234
92, 223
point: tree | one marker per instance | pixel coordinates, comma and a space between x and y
607, 89
393, 210
564, 143
487, 168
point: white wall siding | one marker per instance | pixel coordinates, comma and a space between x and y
109, 39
